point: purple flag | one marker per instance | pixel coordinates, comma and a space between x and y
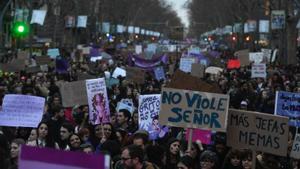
45, 158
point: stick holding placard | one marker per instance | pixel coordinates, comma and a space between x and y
190, 139
253, 159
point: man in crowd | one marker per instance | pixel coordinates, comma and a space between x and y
123, 117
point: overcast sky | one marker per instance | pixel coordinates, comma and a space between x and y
182, 13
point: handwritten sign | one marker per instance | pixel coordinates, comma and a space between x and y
288, 104
73, 93
256, 57
98, 101
258, 70
193, 109
21, 110
148, 110
258, 131
295, 152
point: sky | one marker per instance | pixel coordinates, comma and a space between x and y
178, 7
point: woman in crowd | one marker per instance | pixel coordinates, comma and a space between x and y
75, 142
44, 137
14, 152
232, 160
173, 153
208, 160
33, 135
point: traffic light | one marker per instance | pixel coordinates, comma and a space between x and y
20, 29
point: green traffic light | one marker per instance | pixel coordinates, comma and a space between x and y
20, 29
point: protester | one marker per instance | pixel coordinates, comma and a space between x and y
14, 152
74, 142
172, 153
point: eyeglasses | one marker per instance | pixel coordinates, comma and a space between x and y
124, 158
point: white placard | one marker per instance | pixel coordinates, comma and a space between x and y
186, 64
130, 29
120, 29
137, 30
21, 110
264, 26
98, 101
258, 70
81, 21
295, 152
256, 57
138, 49
119, 72
38, 16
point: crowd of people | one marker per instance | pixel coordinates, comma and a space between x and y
69, 129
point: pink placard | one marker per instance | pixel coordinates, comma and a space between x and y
198, 134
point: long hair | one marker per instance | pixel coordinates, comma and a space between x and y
49, 137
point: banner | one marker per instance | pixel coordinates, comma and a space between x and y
73, 93
295, 152
21, 110
186, 64
258, 132
288, 104
193, 109
46, 158
264, 26
256, 57
258, 70
159, 73
277, 19
38, 16
148, 111
204, 136
98, 101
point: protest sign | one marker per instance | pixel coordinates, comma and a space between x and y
43, 60
148, 111
126, 104
256, 57
135, 74
277, 19
186, 64
159, 73
98, 101
295, 152
204, 136
53, 53
81, 21
267, 54
198, 70
46, 158
193, 109
264, 26
138, 49
105, 27
119, 72
86, 50
15, 66
38, 16
73, 93
21, 110
288, 104
258, 132
258, 70
85, 76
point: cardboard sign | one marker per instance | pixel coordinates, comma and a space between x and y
46, 158
259, 70
98, 101
186, 64
287, 104
295, 152
159, 73
43, 60
193, 109
148, 111
258, 132
136, 75
73, 93
256, 57
21, 110
198, 70
204, 136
